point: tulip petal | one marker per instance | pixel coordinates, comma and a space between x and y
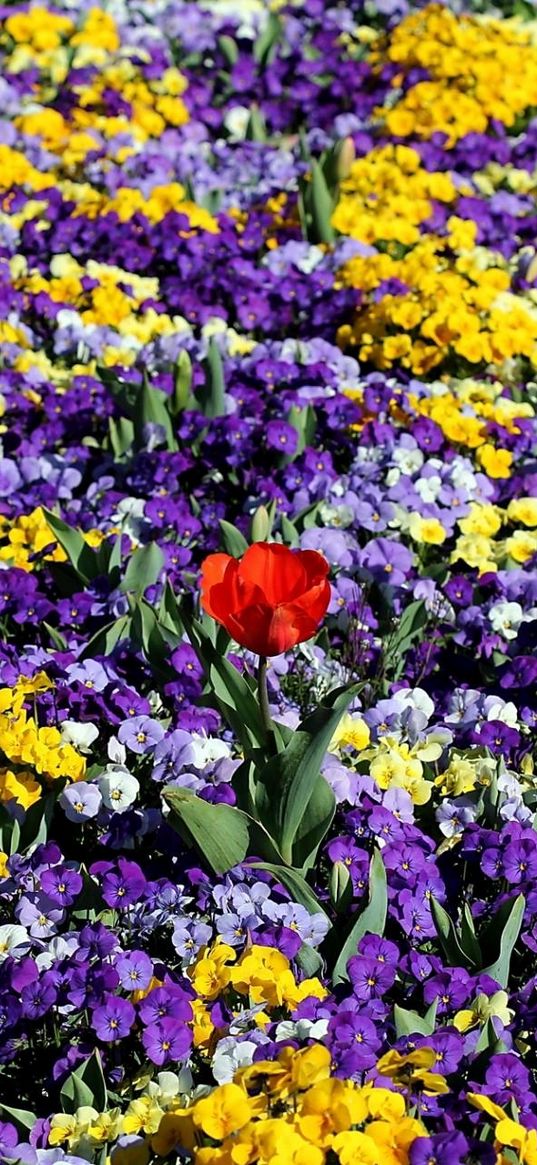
213, 570
278, 572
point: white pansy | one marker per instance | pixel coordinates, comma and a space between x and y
302, 1029
416, 698
428, 488
207, 749
408, 460
14, 941
168, 1085
236, 121
117, 752
336, 515
498, 709
81, 736
118, 788
505, 618
229, 1056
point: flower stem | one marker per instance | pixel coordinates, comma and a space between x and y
262, 691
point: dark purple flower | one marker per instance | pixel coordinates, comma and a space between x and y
166, 1040
113, 1019
62, 885
135, 970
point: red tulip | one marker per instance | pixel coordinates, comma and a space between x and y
270, 599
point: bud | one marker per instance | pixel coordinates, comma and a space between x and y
182, 384
340, 887
261, 525
345, 155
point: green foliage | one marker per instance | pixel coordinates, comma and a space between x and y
372, 919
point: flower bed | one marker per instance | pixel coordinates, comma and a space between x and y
268, 551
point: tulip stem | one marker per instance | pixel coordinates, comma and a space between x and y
263, 698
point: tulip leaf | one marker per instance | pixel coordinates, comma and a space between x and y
104, 640
182, 385
449, 938
151, 408
235, 699
294, 883
143, 569
289, 532
20, 1117
80, 555
86, 1085
220, 833
234, 542
212, 395
120, 436
75, 1093
309, 960
372, 920
408, 1023
469, 941
286, 783
499, 969
314, 824
156, 641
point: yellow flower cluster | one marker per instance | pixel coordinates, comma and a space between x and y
394, 764
479, 68
291, 1111
457, 299
262, 973
31, 752
55, 44
509, 1133
387, 195
86, 1124
476, 546
29, 535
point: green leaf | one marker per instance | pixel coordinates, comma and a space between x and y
211, 396
104, 641
286, 783
309, 960
229, 49
183, 397
143, 569
235, 699
468, 938
75, 1093
321, 206
294, 883
489, 1042
341, 890
221, 833
262, 522
155, 640
372, 920
169, 613
57, 640
233, 541
408, 1023
80, 555
266, 42
20, 1117
499, 969
256, 130
409, 628
120, 436
290, 533
314, 824
151, 408
448, 937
